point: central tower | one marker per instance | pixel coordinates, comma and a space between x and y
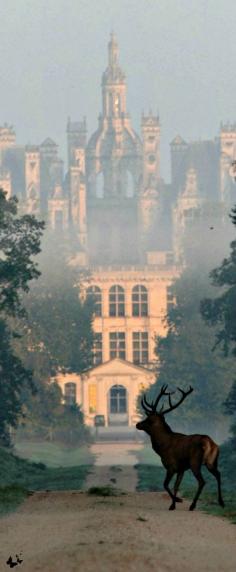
114, 169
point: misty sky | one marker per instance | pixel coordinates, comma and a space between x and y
179, 57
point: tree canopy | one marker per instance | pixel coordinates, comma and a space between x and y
220, 311
19, 243
185, 357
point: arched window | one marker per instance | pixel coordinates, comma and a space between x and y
70, 393
116, 301
58, 220
118, 399
96, 295
130, 186
100, 185
139, 301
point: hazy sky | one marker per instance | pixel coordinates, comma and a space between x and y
179, 57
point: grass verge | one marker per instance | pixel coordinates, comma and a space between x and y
19, 476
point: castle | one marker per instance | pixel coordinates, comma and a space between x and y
130, 227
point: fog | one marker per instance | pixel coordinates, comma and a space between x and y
178, 57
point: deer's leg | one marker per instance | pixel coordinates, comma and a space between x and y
176, 487
168, 478
197, 473
215, 471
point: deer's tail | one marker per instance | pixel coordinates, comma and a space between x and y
210, 452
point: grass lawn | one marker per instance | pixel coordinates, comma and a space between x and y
18, 476
53, 455
151, 478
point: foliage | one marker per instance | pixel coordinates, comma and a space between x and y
58, 336
49, 419
13, 378
185, 357
221, 310
230, 402
59, 323
19, 242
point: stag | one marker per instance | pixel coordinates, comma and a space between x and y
179, 452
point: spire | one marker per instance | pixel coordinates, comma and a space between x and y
113, 51
113, 73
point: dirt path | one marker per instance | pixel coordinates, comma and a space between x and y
76, 532
114, 465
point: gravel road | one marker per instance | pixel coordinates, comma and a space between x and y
77, 532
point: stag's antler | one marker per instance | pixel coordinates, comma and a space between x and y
152, 407
184, 395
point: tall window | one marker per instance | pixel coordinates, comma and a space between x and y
139, 301
140, 347
92, 397
58, 221
116, 301
96, 295
170, 298
117, 345
118, 399
97, 349
70, 393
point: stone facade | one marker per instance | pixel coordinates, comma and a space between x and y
110, 389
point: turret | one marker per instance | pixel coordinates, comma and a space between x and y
32, 179
227, 156
151, 150
76, 140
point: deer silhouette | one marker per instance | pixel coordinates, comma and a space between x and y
179, 452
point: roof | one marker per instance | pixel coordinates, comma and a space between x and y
178, 140
48, 142
120, 363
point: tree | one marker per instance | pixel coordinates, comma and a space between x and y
59, 322
185, 357
221, 311
58, 335
19, 243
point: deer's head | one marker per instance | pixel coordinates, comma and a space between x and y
155, 417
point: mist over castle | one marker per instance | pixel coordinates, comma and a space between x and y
130, 227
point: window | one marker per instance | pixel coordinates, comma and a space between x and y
58, 220
116, 301
151, 159
170, 298
96, 295
118, 399
92, 397
140, 347
139, 301
117, 345
97, 349
70, 393
169, 258
100, 185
